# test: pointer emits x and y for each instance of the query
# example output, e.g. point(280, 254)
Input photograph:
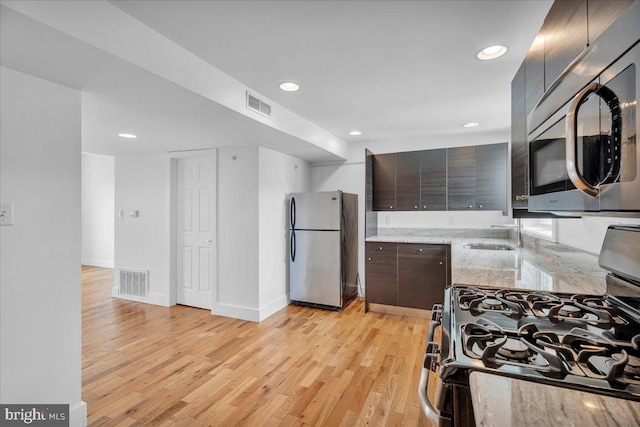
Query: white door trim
point(173, 268)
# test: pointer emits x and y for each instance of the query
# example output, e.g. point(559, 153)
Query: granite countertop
point(501, 401)
point(539, 265)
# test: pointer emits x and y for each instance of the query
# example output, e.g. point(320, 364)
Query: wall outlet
point(120, 213)
point(6, 213)
point(452, 220)
point(387, 220)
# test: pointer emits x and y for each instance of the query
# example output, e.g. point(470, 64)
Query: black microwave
point(585, 157)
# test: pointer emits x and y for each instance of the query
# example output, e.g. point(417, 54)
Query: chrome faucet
point(519, 232)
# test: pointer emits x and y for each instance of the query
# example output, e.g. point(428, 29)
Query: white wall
point(587, 233)
point(98, 198)
point(279, 175)
point(238, 274)
point(142, 183)
point(252, 233)
point(40, 303)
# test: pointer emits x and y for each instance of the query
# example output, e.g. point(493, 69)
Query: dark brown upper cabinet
point(433, 180)
point(384, 182)
point(491, 177)
point(534, 74)
point(519, 146)
point(602, 13)
point(565, 35)
point(461, 177)
point(408, 181)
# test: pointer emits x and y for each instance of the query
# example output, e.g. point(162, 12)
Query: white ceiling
point(392, 69)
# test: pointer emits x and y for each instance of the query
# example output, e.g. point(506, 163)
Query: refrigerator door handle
point(293, 246)
point(293, 212)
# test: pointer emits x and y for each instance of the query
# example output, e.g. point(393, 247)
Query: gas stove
point(584, 342)
point(580, 341)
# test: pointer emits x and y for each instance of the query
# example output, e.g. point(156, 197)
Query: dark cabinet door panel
point(433, 180)
point(408, 181)
point(384, 182)
point(381, 273)
point(422, 275)
point(382, 285)
point(602, 13)
point(565, 36)
point(534, 74)
point(461, 176)
point(491, 177)
point(519, 148)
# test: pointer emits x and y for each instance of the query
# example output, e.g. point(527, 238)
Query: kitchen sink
point(489, 246)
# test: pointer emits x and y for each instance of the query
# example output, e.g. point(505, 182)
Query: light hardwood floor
point(150, 365)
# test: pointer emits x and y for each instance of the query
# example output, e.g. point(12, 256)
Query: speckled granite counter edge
point(503, 402)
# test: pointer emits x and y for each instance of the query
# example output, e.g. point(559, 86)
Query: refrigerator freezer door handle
point(293, 246)
point(293, 212)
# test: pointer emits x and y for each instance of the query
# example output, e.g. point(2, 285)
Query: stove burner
point(587, 342)
point(514, 349)
point(491, 304)
point(570, 311)
point(632, 368)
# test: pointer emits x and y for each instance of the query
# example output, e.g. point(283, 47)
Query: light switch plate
point(6, 213)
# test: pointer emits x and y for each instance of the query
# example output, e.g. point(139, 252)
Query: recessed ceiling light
point(289, 86)
point(355, 133)
point(127, 135)
point(471, 124)
point(491, 52)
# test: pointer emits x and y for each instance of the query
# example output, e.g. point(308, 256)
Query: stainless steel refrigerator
point(323, 249)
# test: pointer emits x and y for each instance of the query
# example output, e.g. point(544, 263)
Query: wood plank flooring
point(181, 366)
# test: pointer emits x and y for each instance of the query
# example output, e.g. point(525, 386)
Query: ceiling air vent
point(258, 106)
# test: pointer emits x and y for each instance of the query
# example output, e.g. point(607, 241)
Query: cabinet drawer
point(434, 251)
point(379, 251)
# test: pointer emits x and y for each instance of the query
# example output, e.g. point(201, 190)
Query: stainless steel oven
point(585, 157)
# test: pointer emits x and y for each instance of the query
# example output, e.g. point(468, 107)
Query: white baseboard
point(78, 415)
point(155, 299)
point(98, 262)
point(273, 307)
point(251, 314)
point(236, 312)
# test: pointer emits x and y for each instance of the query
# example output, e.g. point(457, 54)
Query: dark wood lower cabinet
point(422, 275)
point(407, 274)
point(382, 273)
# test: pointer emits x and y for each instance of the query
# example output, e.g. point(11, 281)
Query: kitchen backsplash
point(446, 232)
point(448, 219)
